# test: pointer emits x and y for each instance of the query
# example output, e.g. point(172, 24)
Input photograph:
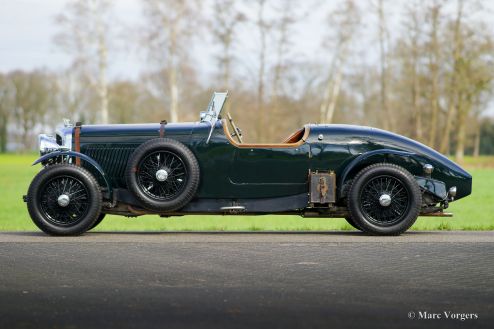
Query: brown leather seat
point(295, 137)
point(294, 140)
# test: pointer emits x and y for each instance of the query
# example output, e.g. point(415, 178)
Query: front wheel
point(99, 220)
point(64, 199)
point(384, 199)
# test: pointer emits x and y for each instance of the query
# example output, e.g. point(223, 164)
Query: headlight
point(47, 144)
point(61, 142)
point(65, 134)
point(452, 192)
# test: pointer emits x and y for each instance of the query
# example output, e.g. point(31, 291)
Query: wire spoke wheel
point(162, 175)
point(384, 200)
point(64, 200)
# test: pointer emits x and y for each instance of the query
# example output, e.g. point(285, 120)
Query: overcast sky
point(27, 28)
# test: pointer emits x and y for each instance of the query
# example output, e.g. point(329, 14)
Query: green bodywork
point(231, 172)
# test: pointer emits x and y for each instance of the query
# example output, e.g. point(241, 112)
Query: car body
point(309, 174)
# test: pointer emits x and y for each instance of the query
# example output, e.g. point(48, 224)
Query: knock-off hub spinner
point(162, 175)
point(385, 200)
point(63, 200)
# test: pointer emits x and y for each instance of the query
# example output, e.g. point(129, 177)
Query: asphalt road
point(261, 280)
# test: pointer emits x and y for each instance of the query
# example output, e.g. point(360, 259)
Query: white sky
point(27, 28)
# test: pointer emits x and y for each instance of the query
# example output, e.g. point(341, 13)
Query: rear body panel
point(361, 140)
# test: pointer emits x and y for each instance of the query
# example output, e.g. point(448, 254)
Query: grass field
point(476, 212)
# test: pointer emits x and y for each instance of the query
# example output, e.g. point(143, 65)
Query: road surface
point(247, 280)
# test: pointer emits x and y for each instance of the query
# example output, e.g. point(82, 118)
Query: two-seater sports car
point(379, 181)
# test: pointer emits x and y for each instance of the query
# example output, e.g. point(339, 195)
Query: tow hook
point(24, 198)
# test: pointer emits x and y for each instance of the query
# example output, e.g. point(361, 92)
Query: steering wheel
point(236, 131)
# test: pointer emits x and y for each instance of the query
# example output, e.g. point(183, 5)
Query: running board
point(437, 214)
point(233, 209)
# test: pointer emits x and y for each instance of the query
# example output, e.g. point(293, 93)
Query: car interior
point(234, 135)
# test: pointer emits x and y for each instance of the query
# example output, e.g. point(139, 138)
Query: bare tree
point(85, 32)
point(480, 104)
point(31, 100)
point(470, 73)
point(453, 98)
point(476, 75)
point(155, 90)
point(287, 17)
point(5, 105)
point(410, 49)
point(345, 22)
point(74, 98)
point(262, 28)
point(436, 68)
point(170, 25)
point(362, 80)
point(124, 105)
point(434, 54)
point(383, 36)
point(226, 19)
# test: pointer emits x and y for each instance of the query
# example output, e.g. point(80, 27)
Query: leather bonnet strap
point(77, 141)
point(162, 128)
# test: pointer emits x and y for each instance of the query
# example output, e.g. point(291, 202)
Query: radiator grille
point(113, 160)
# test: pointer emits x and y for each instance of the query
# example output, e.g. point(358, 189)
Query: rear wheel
point(64, 200)
point(350, 221)
point(384, 199)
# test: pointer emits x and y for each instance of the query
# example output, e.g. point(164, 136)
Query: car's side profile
point(379, 181)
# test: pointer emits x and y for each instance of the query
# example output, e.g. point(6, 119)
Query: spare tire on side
point(163, 174)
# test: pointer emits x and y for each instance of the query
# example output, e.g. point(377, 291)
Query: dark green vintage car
point(379, 181)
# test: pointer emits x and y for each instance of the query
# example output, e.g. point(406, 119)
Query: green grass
point(480, 162)
point(475, 212)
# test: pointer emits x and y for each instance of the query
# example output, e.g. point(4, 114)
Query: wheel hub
point(63, 200)
point(385, 200)
point(162, 175)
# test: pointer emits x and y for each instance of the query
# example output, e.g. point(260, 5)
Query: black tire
point(350, 221)
point(98, 221)
point(82, 209)
point(384, 199)
point(182, 174)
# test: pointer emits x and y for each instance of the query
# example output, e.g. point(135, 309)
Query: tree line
point(427, 75)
